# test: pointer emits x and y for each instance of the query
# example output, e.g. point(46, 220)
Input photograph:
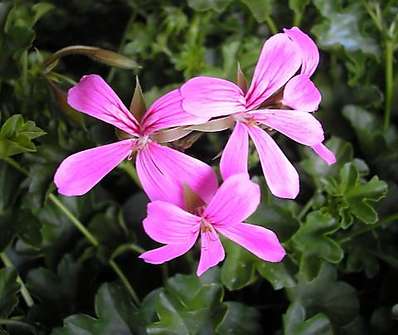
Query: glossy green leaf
point(239, 319)
point(261, 9)
point(324, 294)
point(341, 28)
point(16, 136)
point(189, 305)
point(295, 323)
point(203, 5)
point(238, 269)
point(114, 315)
point(278, 274)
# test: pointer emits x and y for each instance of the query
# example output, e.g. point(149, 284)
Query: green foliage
point(341, 268)
point(16, 136)
point(8, 292)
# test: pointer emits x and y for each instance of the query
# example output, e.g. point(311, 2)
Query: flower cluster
point(185, 197)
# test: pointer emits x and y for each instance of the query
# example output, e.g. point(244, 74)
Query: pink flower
point(278, 98)
point(235, 200)
point(161, 170)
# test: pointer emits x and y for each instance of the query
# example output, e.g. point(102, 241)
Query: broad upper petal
point(93, 96)
point(258, 240)
point(210, 97)
point(300, 126)
point(168, 224)
point(80, 172)
point(308, 50)
point(235, 154)
point(279, 60)
point(325, 153)
point(211, 252)
point(282, 178)
point(166, 252)
point(300, 93)
point(163, 172)
point(236, 199)
point(167, 112)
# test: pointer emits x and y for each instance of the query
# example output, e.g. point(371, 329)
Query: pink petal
point(308, 49)
point(236, 199)
point(167, 112)
point(281, 176)
point(93, 96)
point(300, 126)
point(258, 240)
point(167, 252)
point(80, 172)
point(235, 154)
point(169, 224)
point(326, 154)
point(300, 93)
point(278, 62)
point(211, 252)
point(211, 97)
point(163, 172)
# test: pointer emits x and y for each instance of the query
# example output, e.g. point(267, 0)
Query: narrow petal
point(258, 240)
point(300, 93)
point(236, 199)
point(281, 176)
point(235, 154)
point(278, 62)
point(167, 112)
point(80, 172)
point(211, 97)
point(308, 50)
point(93, 96)
point(323, 152)
point(300, 126)
point(169, 224)
point(166, 253)
point(163, 172)
point(211, 252)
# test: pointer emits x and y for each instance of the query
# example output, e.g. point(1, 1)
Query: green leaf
point(9, 180)
point(324, 294)
point(373, 139)
point(9, 289)
point(189, 305)
point(295, 322)
point(355, 196)
point(203, 5)
point(40, 9)
point(239, 266)
point(239, 319)
point(278, 274)
point(261, 9)
point(341, 28)
point(16, 136)
point(115, 315)
point(298, 6)
point(313, 241)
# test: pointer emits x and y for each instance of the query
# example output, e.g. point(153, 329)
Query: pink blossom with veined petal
point(161, 170)
point(235, 200)
point(281, 97)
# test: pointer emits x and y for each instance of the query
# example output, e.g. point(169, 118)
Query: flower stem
point(93, 240)
point(297, 19)
point(125, 281)
point(20, 324)
point(271, 25)
point(16, 165)
point(90, 237)
point(24, 291)
point(389, 81)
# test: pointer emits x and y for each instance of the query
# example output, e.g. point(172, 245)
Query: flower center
point(205, 226)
